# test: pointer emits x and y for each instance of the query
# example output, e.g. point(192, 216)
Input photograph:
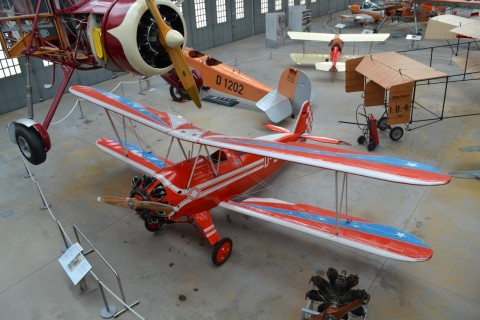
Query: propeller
point(172, 40)
point(136, 204)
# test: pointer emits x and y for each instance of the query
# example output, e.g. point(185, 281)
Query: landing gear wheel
point(396, 133)
point(152, 226)
point(371, 146)
point(31, 144)
point(221, 251)
point(382, 123)
point(361, 140)
point(176, 94)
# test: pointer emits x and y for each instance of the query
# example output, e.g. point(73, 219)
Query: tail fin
point(304, 119)
point(293, 89)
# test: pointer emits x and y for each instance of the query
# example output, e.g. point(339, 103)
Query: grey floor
point(270, 267)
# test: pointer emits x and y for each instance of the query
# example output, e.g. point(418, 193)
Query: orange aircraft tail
point(304, 119)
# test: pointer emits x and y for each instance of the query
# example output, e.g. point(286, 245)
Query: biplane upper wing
point(358, 163)
point(447, 26)
point(326, 37)
point(351, 231)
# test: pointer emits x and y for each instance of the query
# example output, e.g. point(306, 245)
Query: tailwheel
point(221, 251)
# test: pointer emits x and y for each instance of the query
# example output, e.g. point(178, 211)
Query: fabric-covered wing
point(353, 232)
point(161, 121)
point(349, 161)
point(143, 160)
point(311, 36)
point(364, 164)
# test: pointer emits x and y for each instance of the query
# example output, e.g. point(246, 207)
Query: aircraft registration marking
point(229, 84)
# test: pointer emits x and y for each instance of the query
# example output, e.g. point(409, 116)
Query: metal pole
point(336, 203)
point(81, 112)
point(28, 89)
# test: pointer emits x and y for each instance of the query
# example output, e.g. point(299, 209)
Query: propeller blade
point(172, 40)
point(134, 203)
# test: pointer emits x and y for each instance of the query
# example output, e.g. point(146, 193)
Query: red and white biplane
point(218, 169)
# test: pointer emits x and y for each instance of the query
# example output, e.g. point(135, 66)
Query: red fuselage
point(203, 189)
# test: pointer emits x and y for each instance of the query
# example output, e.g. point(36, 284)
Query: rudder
point(304, 119)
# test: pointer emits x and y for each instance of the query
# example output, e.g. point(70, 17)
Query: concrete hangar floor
point(170, 272)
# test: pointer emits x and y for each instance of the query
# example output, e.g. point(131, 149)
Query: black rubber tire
point(382, 123)
point(222, 251)
point(361, 139)
point(371, 146)
point(31, 144)
point(396, 133)
point(153, 227)
point(175, 94)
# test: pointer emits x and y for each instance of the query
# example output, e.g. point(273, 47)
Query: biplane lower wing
point(139, 158)
point(353, 232)
point(348, 161)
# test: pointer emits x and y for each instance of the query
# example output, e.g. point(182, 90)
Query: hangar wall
point(233, 26)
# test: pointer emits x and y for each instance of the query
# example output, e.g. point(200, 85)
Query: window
point(312, 1)
point(200, 14)
point(291, 3)
point(46, 63)
point(264, 6)
point(278, 4)
point(302, 1)
point(221, 11)
point(239, 9)
point(8, 67)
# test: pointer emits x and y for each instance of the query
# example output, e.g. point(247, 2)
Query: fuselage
point(200, 184)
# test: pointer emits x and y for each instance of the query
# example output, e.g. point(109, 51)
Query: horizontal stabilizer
point(324, 139)
point(326, 66)
point(275, 105)
point(353, 232)
point(276, 128)
point(308, 58)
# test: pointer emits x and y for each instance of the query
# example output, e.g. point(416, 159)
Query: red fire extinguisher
point(373, 136)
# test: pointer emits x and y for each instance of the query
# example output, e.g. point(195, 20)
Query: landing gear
point(177, 95)
point(32, 139)
point(30, 144)
point(221, 251)
point(396, 133)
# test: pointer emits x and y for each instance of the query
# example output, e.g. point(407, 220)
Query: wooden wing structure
point(388, 79)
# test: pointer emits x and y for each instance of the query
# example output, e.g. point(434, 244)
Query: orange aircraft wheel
point(221, 251)
point(152, 227)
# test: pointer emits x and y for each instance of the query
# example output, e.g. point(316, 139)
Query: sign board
point(400, 103)
point(414, 37)
point(74, 263)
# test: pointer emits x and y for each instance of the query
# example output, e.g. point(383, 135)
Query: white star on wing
point(400, 234)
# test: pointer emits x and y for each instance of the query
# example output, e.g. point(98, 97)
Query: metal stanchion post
point(81, 111)
point(109, 309)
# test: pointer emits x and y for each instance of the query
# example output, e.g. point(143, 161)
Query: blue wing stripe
point(308, 150)
point(133, 105)
point(365, 227)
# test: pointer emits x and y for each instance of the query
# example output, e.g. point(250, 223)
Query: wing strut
point(338, 207)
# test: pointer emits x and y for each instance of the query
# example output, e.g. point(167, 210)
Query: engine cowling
point(130, 36)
